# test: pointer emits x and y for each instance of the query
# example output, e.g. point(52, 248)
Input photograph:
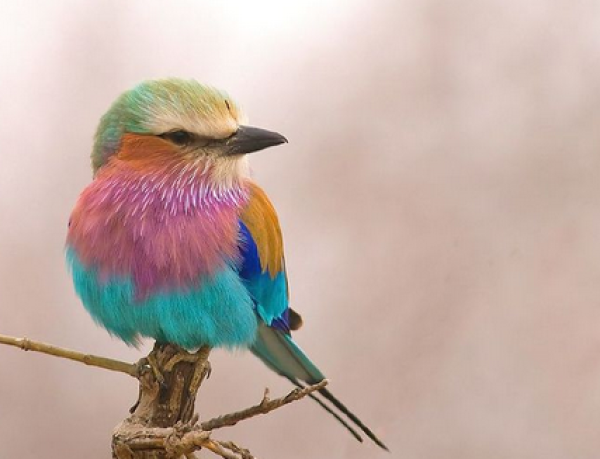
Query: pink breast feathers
point(165, 229)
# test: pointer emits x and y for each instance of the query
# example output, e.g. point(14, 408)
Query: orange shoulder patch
point(260, 218)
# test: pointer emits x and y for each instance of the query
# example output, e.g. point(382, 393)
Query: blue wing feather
point(268, 293)
point(250, 262)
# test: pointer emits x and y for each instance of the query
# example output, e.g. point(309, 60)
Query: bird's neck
point(175, 186)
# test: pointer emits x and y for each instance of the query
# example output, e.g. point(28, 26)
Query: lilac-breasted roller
point(173, 240)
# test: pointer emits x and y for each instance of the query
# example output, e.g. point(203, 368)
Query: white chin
point(228, 171)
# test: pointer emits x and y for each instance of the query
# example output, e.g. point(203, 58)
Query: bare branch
point(263, 407)
point(88, 359)
point(167, 369)
point(185, 438)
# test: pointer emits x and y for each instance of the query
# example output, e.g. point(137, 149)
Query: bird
point(173, 240)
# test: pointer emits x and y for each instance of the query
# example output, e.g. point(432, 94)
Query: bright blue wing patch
point(250, 261)
point(268, 293)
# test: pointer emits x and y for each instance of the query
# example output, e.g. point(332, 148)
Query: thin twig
point(263, 407)
point(219, 450)
point(244, 453)
point(88, 359)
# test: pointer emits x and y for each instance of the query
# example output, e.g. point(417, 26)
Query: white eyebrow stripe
point(217, 126)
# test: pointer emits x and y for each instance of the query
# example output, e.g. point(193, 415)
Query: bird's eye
point(178, 137)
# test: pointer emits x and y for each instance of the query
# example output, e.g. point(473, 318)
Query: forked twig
point(263, 407)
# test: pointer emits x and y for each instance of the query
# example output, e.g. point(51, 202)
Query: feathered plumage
point(172, 240)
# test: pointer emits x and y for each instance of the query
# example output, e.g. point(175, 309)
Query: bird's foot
point(146, 371)
point(183, 356)
point(154, 366)
point(208, 369)
point(201, 368)
point(178, 358)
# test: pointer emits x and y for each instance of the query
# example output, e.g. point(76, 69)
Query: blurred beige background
point(439, 198)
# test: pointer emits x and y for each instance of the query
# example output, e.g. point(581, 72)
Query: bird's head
point(181, 120)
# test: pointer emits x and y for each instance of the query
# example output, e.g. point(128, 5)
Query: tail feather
point(340, 406)
point(284, 356)
point(280, 353)
point(341, 420)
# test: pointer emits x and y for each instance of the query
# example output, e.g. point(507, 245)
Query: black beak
point(249, 139)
